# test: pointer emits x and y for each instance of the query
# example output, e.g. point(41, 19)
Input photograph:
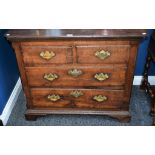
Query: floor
point(139, 108)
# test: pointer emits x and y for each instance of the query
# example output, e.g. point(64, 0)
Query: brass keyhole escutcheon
point(76, 93)
point(75, 72)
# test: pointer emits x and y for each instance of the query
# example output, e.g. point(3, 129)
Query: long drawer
point(74, 75)
point(77, 98)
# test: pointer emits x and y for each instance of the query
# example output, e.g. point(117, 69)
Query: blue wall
point(8, 70)
point(141, 58)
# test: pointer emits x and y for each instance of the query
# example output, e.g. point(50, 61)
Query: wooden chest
point(76, 71)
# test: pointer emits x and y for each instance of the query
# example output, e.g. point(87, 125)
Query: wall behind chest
point(141, 57)
point(8, 70)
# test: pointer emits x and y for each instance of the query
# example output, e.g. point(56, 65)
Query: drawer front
point(85, 76)
point(103, 54)
point(73, 98)
point(36, 55)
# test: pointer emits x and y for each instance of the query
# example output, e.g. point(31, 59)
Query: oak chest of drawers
point(76, 71)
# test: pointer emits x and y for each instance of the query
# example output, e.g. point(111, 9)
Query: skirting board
point(15, 93)
point(11, 102)
point(137, 80)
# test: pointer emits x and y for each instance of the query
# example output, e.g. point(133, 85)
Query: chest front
point(78, 75)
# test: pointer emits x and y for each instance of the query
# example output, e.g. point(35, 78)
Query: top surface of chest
point(17, 35)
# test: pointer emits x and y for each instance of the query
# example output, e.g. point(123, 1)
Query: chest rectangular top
point(38, 34)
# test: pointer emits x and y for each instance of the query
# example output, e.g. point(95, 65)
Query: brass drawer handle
point(47, 55)
point(74, 72)
point(102, 54)
point(50, 76)
point(76, 93)
point(53, 97)
point(101, 76)
point(100, 98)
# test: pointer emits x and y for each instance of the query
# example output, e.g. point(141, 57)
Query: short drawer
point(77, 98)
point(85, 76)
point(42, 55)
point(113, 54)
